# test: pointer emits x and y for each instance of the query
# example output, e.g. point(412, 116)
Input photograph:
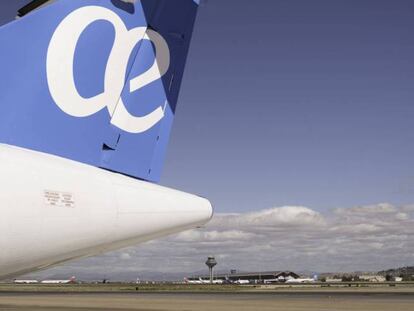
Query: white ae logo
point(60, 76)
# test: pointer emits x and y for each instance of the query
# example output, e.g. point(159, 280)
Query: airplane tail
point(95, 81)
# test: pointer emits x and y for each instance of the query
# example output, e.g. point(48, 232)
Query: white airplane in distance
point(277, 280)
point(202, 281)
point(215, 281)
point(302, 280)
point(89, 90)
point(205, 281)
point(25, 281)
point(242, 282)
point(72, 280)
point(195, 282)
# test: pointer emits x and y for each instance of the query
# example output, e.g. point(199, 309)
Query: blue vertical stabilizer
point(96, 81)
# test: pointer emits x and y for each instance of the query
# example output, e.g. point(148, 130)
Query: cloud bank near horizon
point(367, 238)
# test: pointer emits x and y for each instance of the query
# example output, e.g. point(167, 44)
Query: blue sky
point(297, 116)
point(298, 102)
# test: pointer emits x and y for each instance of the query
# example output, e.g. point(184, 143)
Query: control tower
point(211, 263)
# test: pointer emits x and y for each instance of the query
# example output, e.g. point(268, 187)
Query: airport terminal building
point(252, 277)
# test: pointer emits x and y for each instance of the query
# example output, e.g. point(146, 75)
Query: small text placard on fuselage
point(59, 198)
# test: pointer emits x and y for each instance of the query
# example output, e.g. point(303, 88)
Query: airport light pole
point(211, 262)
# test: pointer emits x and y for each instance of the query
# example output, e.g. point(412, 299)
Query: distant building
point(333, 280)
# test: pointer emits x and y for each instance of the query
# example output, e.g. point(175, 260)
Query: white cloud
point(283, 216)
point(213, 236)
point(297, 238)
point(383, 208)
point(402, 216)
point(124, 256)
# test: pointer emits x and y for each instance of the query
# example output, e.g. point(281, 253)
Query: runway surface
point(207, 302)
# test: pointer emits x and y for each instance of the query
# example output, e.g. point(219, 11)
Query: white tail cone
point(55, 210)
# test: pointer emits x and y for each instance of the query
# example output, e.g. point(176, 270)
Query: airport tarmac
point(283, 301)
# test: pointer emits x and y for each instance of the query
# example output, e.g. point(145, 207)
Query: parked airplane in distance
point(242, 282)
point(195, 282)
point(202, 281)
point(302, 280)
point(215, 281)
point(280, 279)
point(89, 93)
point(218, 281)
point(25, 281)
point(72, 280)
